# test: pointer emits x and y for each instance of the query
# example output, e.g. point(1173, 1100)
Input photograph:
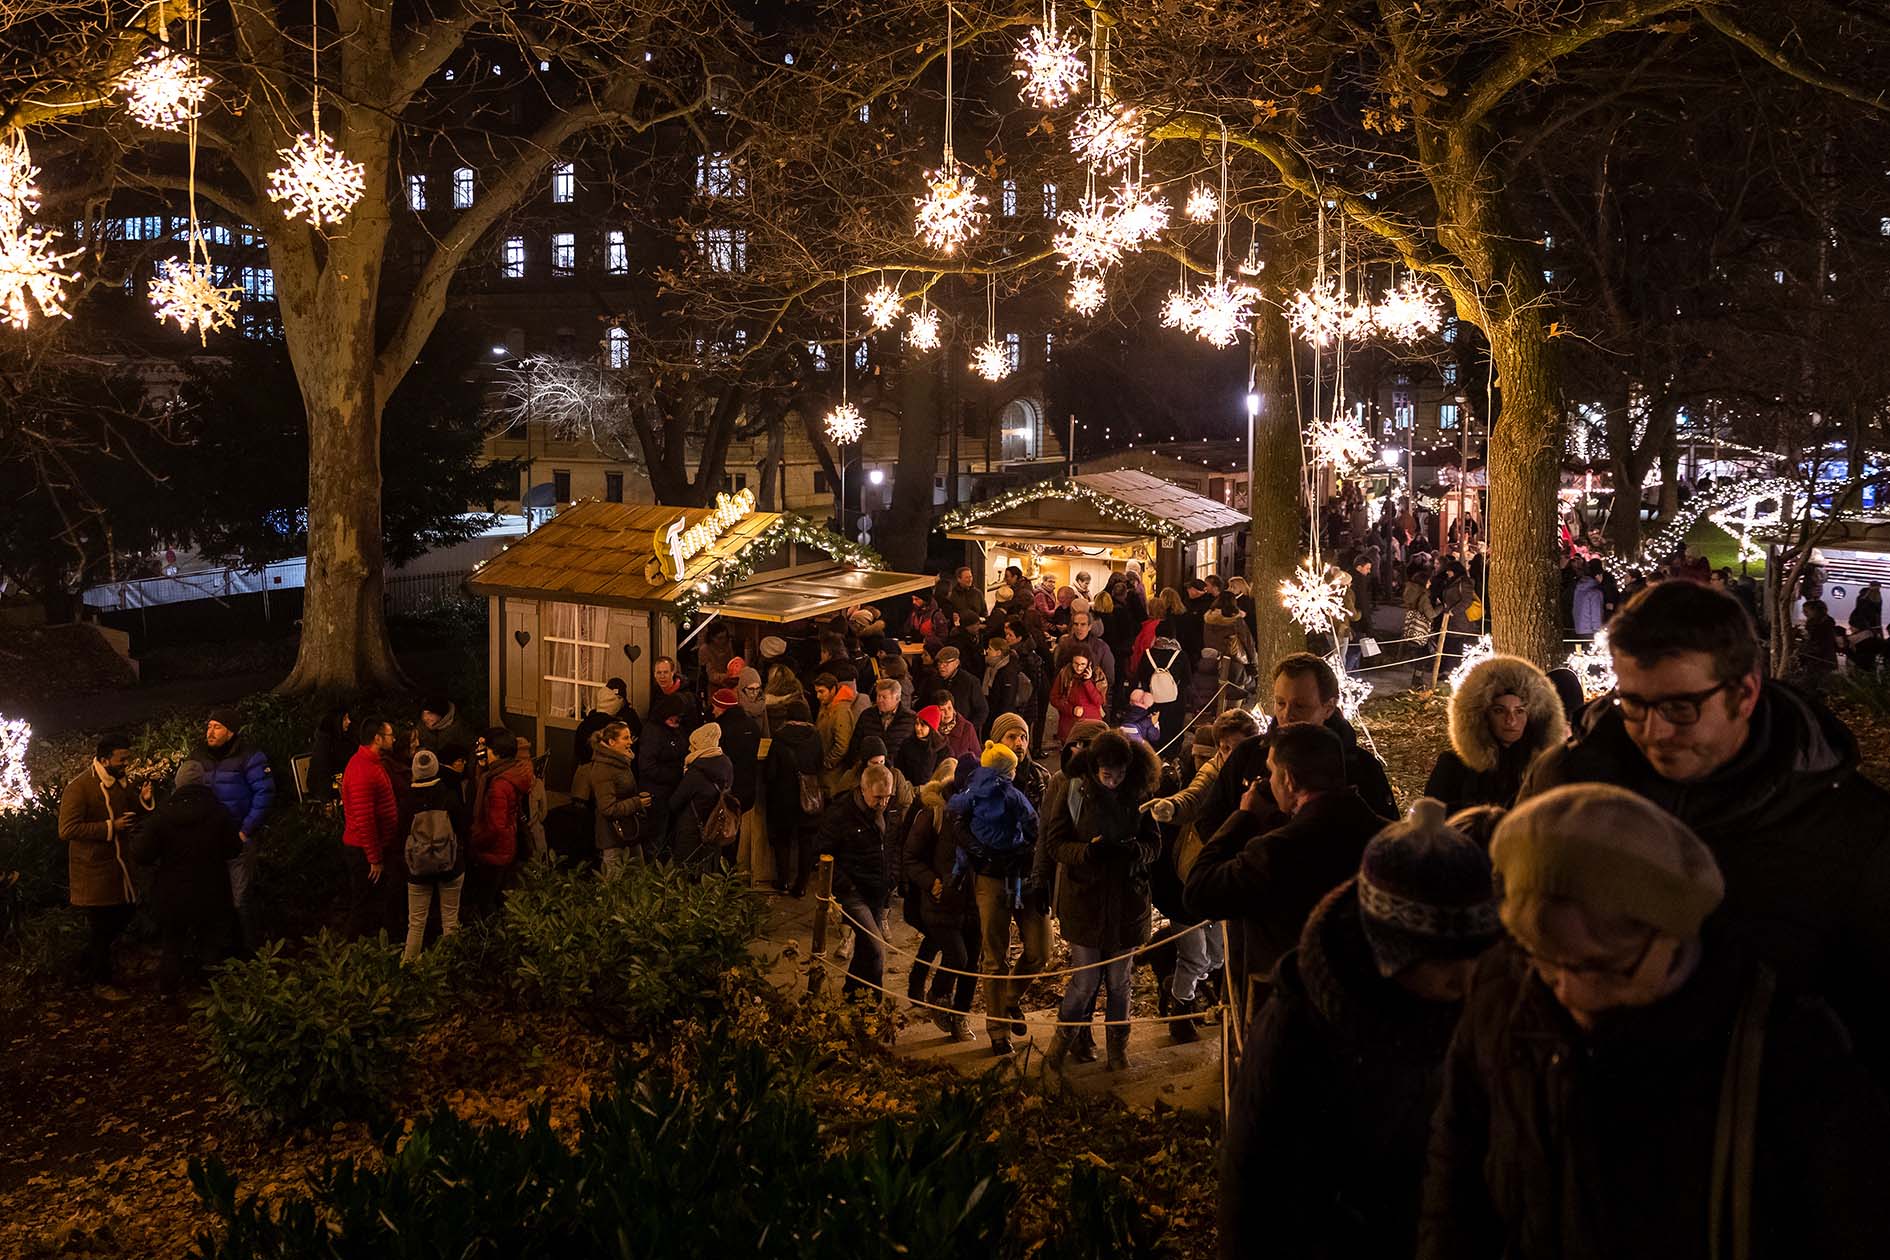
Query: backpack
point(723, 826)
point(1161, 683)
point(813, 798)
point(432, 845)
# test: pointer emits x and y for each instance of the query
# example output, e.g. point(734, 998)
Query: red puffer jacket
point(495, 821)
point(367, 805)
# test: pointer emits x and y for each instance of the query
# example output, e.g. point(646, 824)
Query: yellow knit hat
point(999, 757)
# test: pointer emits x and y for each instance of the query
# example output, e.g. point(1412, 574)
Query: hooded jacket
point(503, 796)
point(239, 775)
point(614, 794)
point(1103, 898)
point(1331, 1113)
point(1475, 769)
point(1802, 839)
point(454, 730)
point(999, 823)
point(695, 798)
point(931, 855)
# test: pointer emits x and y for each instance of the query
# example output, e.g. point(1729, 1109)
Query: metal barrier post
point(823, 901)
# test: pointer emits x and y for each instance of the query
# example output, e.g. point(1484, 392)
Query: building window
point(1450, 373)
point(566, 341)
point(733, 482)
point(1883, 227)
point(716, 176)
point(860, 357)
point(866, 113)
point(616, 348)
point(1049, 345)
point(1049, 201)
point(463, 188)
point(561, 484)
point(613, 487)
point(725, 249)
point(1402, 412)
point(817, 355)
point(1450, 328)
point(513, 266)
point(1007, 198)
point(216, 234)
point(563, 182)
point(563, 253)
point(616, 254)
point(1207, 556)
point(416, 192)
point(577, 654)
point(823, 484)
point(1447, 415)
point(1014, 350)
point(1778, 277)
point(259, 284)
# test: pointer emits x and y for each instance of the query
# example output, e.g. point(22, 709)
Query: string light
point(1203, 204)
point(1320, 315)
point(754, 552)
point(1593, 664)
point(185, 294)
point(1111, 509)
point(1476, 652)
point(923, 331)
point(1409, 310)
point(1106, 136)
point(1313, 599)
point(1087, 293)
point(163, 89)
point(31, 267)
point(991, 361)
point(1050, 64)
point(1178, 309)
point(1340, 442)
point(16, 788)
point(845, 424)
point(952, 210)
point(1221, 310)
point(882, 307)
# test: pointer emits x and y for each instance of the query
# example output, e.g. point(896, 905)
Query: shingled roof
point(1107, 506)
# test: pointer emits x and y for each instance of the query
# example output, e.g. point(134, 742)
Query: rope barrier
point(1190, 724)
point(1034, 975)
point(951, 1010)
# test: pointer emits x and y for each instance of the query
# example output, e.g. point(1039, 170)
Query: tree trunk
point(1274, 501)
point(1525, 471)
point(906, 536)
point(1669, 477)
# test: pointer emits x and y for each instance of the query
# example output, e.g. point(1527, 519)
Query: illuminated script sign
point(677, 543)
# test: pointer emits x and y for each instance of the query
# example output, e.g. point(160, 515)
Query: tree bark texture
point(906, 536)
point(1274, 500)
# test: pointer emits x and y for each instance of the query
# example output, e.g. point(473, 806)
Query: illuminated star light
point(1051, 65)
point(1341, 443)
point(991, 361)
point(923, 331)
point(882, 307)
point(1471, 656)
point(1089, 238)
point(1087, 293)
point(318, 182)
point(185, 294)
point(952, 211)
point(31, 274)
point(1139, 215)
point(1315, 600)
point(1593, 664)
point(1320, 315)
point(845, 424)
point(1105, 136)
point(163, 89)
point(1353, 692)
point(1221, 310)
point(16, 788)
point(1203, 204)
point(1409, 311)
point(1178, 310)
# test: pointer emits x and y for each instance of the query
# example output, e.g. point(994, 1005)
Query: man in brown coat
point(96, 814)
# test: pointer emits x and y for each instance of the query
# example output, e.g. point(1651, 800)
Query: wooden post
point(823, 901)
point(1437, 662)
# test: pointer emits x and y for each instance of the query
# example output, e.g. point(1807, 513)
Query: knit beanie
point(1424, 893)
point(773, 648)
point(725, 698)
point(1082, 732)
point(872, 746)
point(1611, 852)
point(931, 715)
point(426, 768)
point(230, 718)
point(999, 758)
point(704, 741)
point(1004, 723)
point(189, 774)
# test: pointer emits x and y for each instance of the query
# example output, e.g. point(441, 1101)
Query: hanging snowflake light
point(923, 331)
point(1593, 664)
point(1051, 64)
point(1203, 204)
point(845, 424)
point(1221, 310)
point(185, 294)
point(952, 210)
point(1179, 310)
point(318, 182)
point(1318, 315)
point(1471, 655)
point(163, 89)
point(31, 275)
point(1340, 443)
point(16, 788)
point(991, 361)
point(1087, 293)
point(1353, 692)
point(1409, 311)
point(882, 306)
point(1089, 238)
point(1137, 214)
point(1315, 600)
point(1105, 136)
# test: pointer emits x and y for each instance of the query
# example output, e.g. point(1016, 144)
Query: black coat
point(794, 750)
point(931, 853)
point(1459, 787)
point(1001, 695)
point(892, 730)
point(865, 859)
point(917, 758)
point(1551, 1144)
point(1248, 762)
point(1802, 839)
point(691, 804)
point(1104, 845)
point(1265, 883)
point(1331, 1114)
point(967, 690)
point(188, 839)
point(741, 741)
point(660, 760)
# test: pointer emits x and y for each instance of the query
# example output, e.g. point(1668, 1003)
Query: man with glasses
point(1768, 779)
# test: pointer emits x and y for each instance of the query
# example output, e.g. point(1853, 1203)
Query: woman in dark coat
point(1331, 1112)
point(947, 910)
point(1505, 713)
point(793, 760)
point(1095, 829)
point(333, 746)
point(189, 839)
point(659, 763)
point(618, 806)
point(707, 773)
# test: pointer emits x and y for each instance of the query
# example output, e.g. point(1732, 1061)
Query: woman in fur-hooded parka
point(1479, 768)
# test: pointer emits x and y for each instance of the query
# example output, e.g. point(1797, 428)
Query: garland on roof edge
point(1063, 488)
point(745, 563)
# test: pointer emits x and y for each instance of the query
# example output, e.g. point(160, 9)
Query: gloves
point(1162, 810)
point(1037, 898)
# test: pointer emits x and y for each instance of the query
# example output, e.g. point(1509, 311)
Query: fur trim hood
point(1470, 736)
point(1144, 779)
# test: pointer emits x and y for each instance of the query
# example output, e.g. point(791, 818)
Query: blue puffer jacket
point(239, 776)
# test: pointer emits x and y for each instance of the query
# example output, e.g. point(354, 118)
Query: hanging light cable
point(951, 212)
point(844, 423)
point(187, 293)
point(316, 179)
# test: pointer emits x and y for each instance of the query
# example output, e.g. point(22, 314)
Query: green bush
point(30, 845)
point(40, 948)
point(299, 869)
point(652, 946)
point(730, 1160)
point(1865, 689)
point(317, 1035)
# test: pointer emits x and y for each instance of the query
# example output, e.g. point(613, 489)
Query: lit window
point(1450, 328)
point(1548, 277)
point(1883, 227)
point(716, 177)
point(1049, 344)
point(218, 234)
point(153, 227)
point(616, 348)
point(451, 75)
point(416, 192)
point(259, 283)
point(564, 182)
point(1447, 415)
point(860, 357)
point(563, 253)
point(616, 254)
point(866, 113)
point(1450, 373)
point(513, 267)
point(1007, 198)
point(576, 645)
point(1778, 277)
point(726, 249)
point(818, 354)
point(1014, 350)
point(544, 65)
point(1548, 240)
point(463, 188)
point(1049, 201)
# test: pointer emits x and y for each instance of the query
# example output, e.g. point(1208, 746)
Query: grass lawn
point(1719, 547)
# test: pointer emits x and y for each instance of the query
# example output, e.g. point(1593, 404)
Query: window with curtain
point(575, 651)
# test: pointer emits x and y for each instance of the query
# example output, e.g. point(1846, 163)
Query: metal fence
point(424, 592)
